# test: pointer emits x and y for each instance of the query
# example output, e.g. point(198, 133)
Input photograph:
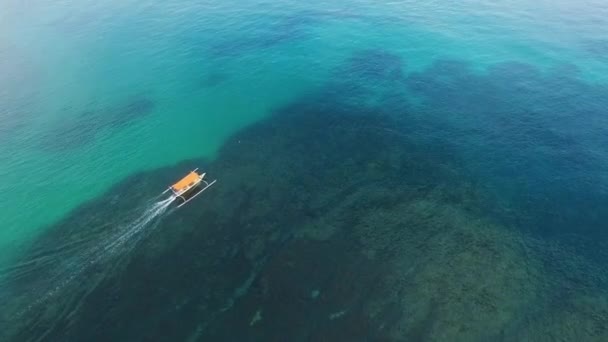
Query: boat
point(187, 188)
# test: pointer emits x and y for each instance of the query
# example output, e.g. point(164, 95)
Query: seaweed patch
point(212, 79)
point(82, 130)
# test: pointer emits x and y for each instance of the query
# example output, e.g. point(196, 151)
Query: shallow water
point(374, 161)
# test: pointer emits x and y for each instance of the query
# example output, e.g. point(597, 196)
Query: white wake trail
point(123, 240)
point(137, 226)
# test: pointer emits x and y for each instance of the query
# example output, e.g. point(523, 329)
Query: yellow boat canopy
point(186, 182)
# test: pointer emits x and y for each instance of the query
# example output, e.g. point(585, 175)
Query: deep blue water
point(387, 171)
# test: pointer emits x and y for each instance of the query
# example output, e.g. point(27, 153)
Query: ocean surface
point(386, 170)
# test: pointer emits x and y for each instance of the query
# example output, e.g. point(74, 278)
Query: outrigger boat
point(189, 187)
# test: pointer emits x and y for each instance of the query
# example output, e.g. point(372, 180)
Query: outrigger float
point(189, 187)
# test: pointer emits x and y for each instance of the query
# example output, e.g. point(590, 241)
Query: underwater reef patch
point(244, 229)
point(530, 133)
point(371, 80)
point(376, 64)
point(333, 221)
point(286, 29)
point(290, 28)
point(74, 132)
point(212, 79)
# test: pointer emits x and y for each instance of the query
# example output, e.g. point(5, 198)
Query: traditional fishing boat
point(190, 186)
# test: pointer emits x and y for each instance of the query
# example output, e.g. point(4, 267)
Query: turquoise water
point(511, 94)
point(93, 61)
point(66, 59)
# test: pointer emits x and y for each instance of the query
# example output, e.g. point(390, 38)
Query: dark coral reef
point(335, 221)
